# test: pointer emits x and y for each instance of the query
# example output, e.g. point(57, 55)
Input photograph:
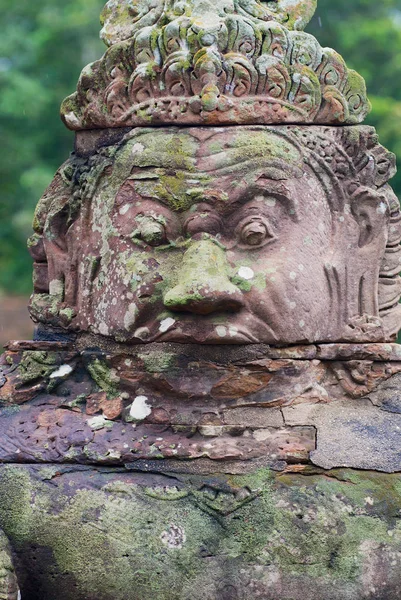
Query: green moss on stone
point(36, 365)
point(158, 361)
point(106, 378)
point(154, 537)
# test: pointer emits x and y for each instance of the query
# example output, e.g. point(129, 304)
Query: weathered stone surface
point(159, 404)
point(216, 309)
point(352, 434)
point(8, 580)
point(96, 534)
point(213, 63)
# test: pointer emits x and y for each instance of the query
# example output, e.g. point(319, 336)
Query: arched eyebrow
point(264, 186)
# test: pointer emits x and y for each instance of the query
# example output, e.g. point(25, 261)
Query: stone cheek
point(234, 236)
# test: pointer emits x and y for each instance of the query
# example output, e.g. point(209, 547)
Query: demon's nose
point(203, 285)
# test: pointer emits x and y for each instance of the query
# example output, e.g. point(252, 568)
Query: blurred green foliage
point(43, 47)
point(45, 44)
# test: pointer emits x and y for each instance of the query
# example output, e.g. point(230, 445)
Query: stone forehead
point(350, 154)
point(228, 160)
point(214, 149)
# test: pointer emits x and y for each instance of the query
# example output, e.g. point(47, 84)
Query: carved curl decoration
point(238, 62)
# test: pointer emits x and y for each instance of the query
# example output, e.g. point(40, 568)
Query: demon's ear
point(372, 213)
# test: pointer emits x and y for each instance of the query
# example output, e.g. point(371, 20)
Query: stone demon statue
point(210, 408)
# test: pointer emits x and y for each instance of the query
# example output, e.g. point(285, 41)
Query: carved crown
point(210, 62)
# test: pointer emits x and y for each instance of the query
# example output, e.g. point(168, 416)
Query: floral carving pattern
point(236, 63)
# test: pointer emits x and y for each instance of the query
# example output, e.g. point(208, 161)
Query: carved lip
point(200, 337)
point(205, 332)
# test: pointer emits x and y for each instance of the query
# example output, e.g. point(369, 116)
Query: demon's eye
point(151, 230)
point(254, 231)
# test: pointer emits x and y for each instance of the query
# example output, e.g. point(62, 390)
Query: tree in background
point(42, 50)
point(43, 47)
point(367, 33)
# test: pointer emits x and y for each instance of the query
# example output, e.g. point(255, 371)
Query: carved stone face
point(220, 236)
point(213, 253)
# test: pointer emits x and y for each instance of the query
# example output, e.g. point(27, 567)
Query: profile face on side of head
point(234, 235)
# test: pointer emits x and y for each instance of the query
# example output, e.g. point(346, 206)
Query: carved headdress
point(213, 62)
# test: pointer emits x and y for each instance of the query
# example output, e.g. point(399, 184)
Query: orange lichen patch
point(111, 408)
point(238, 385)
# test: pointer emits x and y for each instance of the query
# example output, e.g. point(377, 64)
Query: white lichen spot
point(72, 120)
point(140, 408)
point(124, 209)
point(261, 435)
point(56, 288)
point(301, 267)
point(211, 430)
point(221, 331)
point(113, 453)
point(382, 208)
point(97, 422)
point(128, 362)
point(341, 219)
point(369, 501)
point(166, 324)
point(270, 202)
point(174, 537)
point(103, 328)
point(142, 333)
point(138, 148)
point(293, 275)
point(246, 273)
point(293, 305)
point(302, 324)
point(232, 330)
point(62, 371)
point(130, 316)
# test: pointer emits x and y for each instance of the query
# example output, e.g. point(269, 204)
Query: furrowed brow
point(278, 190)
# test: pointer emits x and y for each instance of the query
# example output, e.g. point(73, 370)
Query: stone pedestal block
point(85, 533)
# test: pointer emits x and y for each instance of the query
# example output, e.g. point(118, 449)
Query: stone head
point(211, 199)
